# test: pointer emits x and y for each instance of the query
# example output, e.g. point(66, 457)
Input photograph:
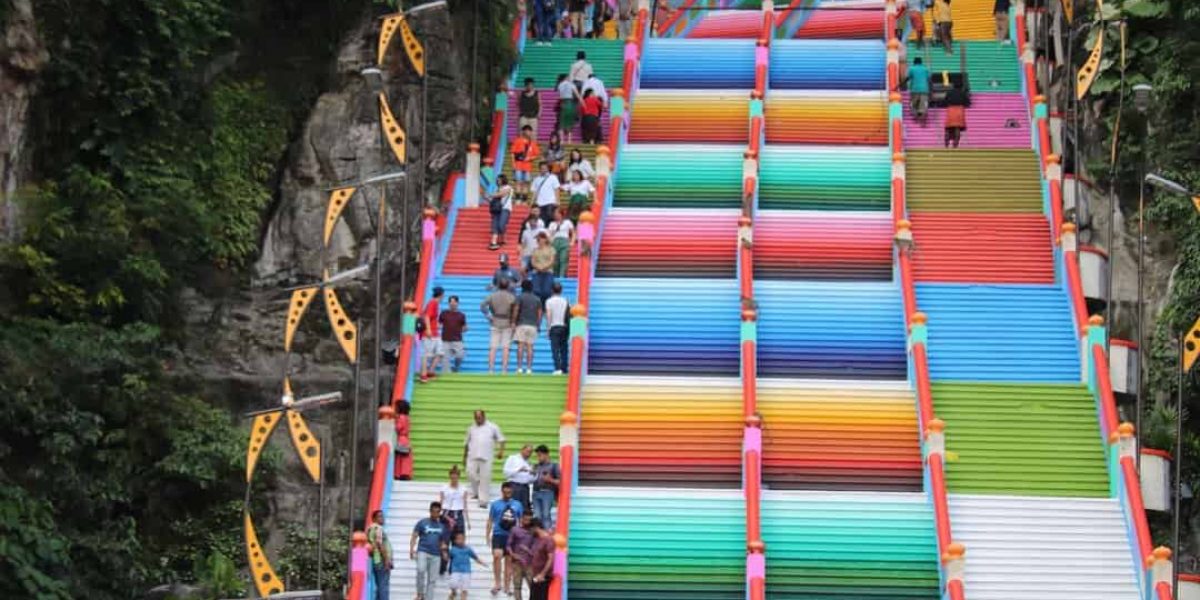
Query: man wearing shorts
point(500, 308)
point(528, 318)
point(525, 150)
point(918, 90)
point(454, 324)
point(503, 516)
point(431, 341)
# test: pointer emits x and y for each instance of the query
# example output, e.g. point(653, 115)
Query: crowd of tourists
point(518, 530)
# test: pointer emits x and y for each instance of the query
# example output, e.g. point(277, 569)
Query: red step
point(469, 254)
point(982, 248)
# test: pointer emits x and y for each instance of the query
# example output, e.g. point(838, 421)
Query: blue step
point(665, 326)
point(1014, 333)
point(698, 64)
point(827, 64)
point(471, 290)
point(830, 330)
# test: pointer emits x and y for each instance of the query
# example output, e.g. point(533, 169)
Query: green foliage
point(298, 559)
point(115, 464)
point(115, 246)
point(219, 577)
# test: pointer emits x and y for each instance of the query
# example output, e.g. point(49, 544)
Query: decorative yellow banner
point(1191, 342)
point(1091, 68)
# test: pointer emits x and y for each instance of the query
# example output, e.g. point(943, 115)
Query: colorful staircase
point(1031, 495)
point(660, 409)
point(667, 504)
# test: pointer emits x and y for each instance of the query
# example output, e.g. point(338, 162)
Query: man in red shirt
point(454, 324)
point(431, 339)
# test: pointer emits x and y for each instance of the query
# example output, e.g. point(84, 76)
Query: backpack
point(508, 518)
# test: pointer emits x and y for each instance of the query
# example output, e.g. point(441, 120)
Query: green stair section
point(679, 176)
point(545, 63)
point(825, 178)
point(654, 544)
point(991, 67)
point(525, 407)
point(971, 180)
point(1021, 439)
point(848, 545)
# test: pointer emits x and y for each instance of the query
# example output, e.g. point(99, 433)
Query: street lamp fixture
point(1141, 97)
point(374, 78)
point(425, 7)
point(336, 280)
point(1161, 182)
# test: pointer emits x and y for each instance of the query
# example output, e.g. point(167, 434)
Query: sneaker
point(558, 372)
point(424, 379)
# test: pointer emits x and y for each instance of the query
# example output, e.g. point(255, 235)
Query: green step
point(992, 67)
point(545, 63)
point(525, 407)
point(825, 178)
point(679, 176)
point(634, 544)
point(973, 180)
point(849, 545)
point(1021, 439)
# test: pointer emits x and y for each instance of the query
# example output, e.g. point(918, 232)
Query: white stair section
point(410, 503)
point(1034, 548)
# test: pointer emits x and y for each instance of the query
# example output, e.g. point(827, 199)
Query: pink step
point(993, 121)
point(546, 125)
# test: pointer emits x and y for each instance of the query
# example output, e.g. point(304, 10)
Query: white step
point(1035, 548)
point(409, 503)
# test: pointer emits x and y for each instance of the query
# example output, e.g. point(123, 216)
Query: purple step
point(993, 121)
point(549, 114)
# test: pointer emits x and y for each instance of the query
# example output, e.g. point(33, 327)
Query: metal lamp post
point(1141, 101)
point(1188, 349)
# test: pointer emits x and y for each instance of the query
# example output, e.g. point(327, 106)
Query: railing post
point(749, 181)
point(893, 64)
point(603, 173)
point(473, 174)
point(408, 332)
point(756, 122)
point(360, 575)
point(1161, 572)
point(749, 339)
point(1094, 338)
point(899, 177)
point(568, 444)
point(578, 336)
point(752, 486)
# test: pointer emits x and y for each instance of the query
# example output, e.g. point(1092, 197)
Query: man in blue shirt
point(503, 516)
point(918, 90)
point(428, 546)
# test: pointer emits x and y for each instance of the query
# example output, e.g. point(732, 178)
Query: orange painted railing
point(1133, 491)
point(1108, 403)
point(673, 17)
point(932, 429)
point(1117, 435)
point(588, 233)
point(1075, 288)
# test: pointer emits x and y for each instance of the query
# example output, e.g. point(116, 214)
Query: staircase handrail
point(931, 429)
point(1152, 565)
point(590, 233)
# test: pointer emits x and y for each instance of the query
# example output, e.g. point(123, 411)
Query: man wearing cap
point(505, 272)
point(431, 339)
